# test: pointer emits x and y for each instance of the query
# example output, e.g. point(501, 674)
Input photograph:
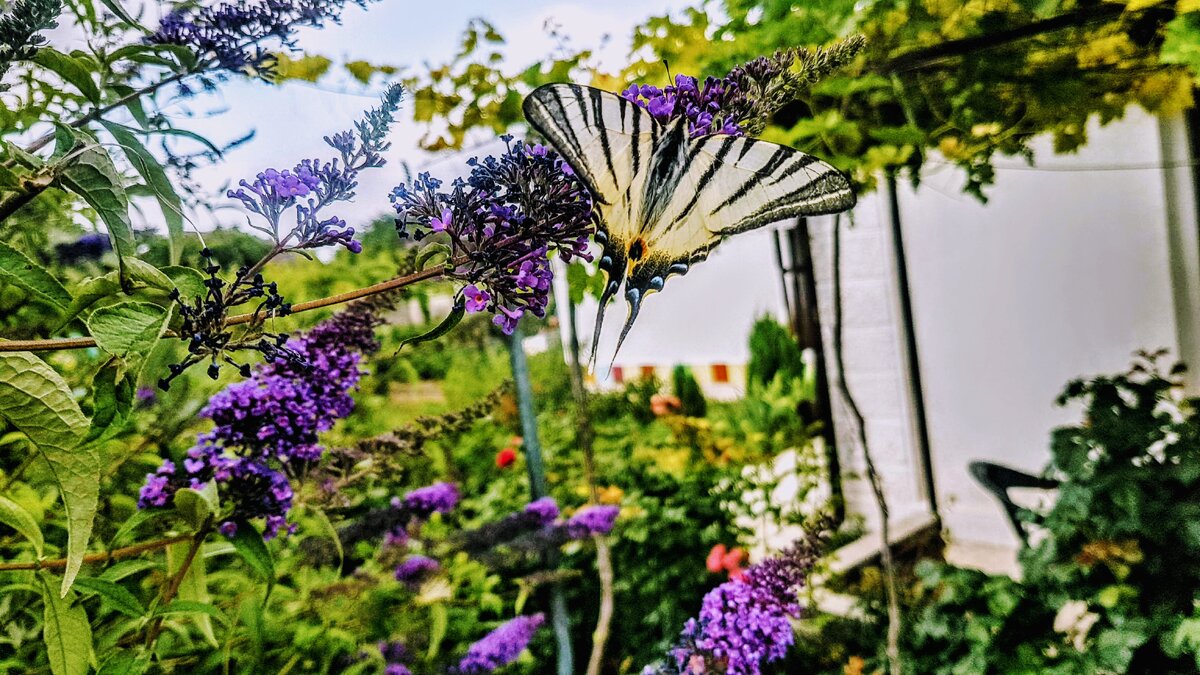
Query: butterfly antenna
point(667, 65)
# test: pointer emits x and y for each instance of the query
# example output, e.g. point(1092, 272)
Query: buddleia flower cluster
point(234, 33)
point(746, 622)
point(267, 427)
point(501, 224)
point(313, 184)
point(708, 107)
point(742, 101)
point(308, 188)
point(500, 647)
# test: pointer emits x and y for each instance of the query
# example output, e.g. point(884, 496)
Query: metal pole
point(537, 487)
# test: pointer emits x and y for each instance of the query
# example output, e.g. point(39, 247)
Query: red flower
point(716, 559)
point(506, 457)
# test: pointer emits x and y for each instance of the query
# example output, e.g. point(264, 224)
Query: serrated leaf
point(18, 518)
point(65, 632)
point(148, 167)
point(142, 272)
point(189, 282)
point(74, 71)
point(37, 401)
point(93, 176)
point(250, 545)
point(193, 595)
point(114, 595)
point(128, 330)
point(17, 269)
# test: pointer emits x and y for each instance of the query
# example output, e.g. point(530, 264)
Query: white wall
point(1064, 273)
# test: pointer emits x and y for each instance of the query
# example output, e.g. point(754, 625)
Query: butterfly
point(665, 200)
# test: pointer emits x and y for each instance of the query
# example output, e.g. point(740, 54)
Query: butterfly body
point(666, 200)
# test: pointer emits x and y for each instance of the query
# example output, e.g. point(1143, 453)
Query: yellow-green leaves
point(18, 518)
point(128, 330)
point(17, 269)
point(66, 632)
point(36, 400)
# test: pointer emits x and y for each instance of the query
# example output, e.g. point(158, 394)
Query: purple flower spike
point(436, 498)
point(415, 569)
point(501, 646)
point(546, 510)
point(442, 222)
point(592, 520)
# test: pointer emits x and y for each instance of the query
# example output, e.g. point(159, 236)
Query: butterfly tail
point(606, 297)
point(613, 263)
point(634, 298)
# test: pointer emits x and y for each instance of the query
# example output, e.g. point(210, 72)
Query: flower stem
point(105, 556)
point(177, 580)
point(382, 287)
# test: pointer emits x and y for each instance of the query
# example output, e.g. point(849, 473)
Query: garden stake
point(537, 489)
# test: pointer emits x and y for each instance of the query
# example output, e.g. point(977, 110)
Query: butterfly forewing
point(666, 200)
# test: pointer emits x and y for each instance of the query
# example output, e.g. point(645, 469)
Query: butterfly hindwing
point(666, 200)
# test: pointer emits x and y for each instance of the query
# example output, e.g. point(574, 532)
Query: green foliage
point(773, 351)
point(1109, 585)
point(687, 390)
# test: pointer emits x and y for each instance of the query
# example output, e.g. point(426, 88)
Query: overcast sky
point(290, 120)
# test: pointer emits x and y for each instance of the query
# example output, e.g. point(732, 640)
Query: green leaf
point(66, 632)
point(18, 518)
point(113, 390)
point(197, 507)
point(113, 594)
point(89, 293)
point(94, 177)
point(125, 663)
point(437, 631)
point(115, 7)
point(134, 103)
point(128, 330)
point(193, 595)
point(17, 269)
point(452, 319)
point(127, 568)
point(250, 545)
point(143, 272)
point(431, 251)
point(189, 282)
point(74, 71)
point(37, 401)
point(155, 176)
point(204, 609)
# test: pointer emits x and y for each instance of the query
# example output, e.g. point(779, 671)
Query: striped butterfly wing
point(665, 199)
